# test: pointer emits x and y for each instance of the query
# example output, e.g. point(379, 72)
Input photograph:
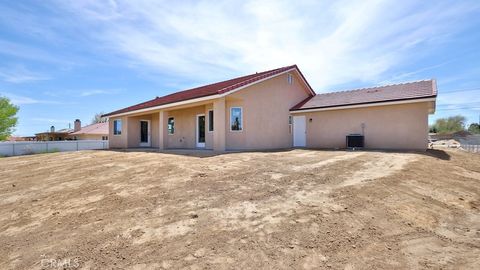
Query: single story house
point(53, 135)
point(277, 109)
point(96, 131)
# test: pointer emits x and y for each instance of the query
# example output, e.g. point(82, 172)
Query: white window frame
point(121, 128)
point(290, 123)
point(289, 78)
point(197, 143)
point(230, 119)
point(208, 127)
point(168, 131)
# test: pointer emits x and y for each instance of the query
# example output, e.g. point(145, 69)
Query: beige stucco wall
point(89, 136)
point(185, 128)
point(208, 134)
point(130, 136)
point(265, 119)
point(134, 129)
point(265, 122)
point(266, 108)
point(402, 126)
point(154, 129)
point(117, 141)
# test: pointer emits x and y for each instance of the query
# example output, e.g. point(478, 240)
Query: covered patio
point(189, 126)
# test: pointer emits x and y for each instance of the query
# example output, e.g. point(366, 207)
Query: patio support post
point(125, 131)
point(161, 129)
point(219, 127)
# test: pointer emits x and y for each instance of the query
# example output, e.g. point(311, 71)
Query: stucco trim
point(363, 105)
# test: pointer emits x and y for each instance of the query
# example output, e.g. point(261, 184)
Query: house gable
point(266, 113)
point(211, 91)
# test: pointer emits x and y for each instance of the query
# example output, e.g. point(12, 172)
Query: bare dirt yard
point(300, 209)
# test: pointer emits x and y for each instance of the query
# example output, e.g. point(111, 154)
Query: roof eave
point(367, 104)
point(209, 97)
point(164, 106)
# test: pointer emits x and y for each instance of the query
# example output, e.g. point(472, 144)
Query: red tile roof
point(98, 128)
point(395, 92)
point(207, 90)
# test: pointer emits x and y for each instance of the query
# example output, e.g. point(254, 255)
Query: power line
point(458, 90)
point(459, 108)
point(463, 103)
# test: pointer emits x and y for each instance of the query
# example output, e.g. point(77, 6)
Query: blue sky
point(62, 60)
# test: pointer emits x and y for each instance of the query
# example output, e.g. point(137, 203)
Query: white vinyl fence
point(470, 143)
point(472, 148)
point(29, 147)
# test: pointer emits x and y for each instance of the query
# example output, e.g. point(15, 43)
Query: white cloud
point(458, 99)
point(333, 43)
point(20, 74)
point(24, 100)
point(81, 92)
point(51, 120)
point(22, 51)
point(401, 78)
point(92, 92)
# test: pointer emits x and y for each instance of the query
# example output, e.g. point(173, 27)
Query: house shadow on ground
point(201, 153)
point(440, 154)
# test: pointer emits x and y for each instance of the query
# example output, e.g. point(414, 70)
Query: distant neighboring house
point(277, 109)
point(53, 135)
point(21, 138)
point(98, 131)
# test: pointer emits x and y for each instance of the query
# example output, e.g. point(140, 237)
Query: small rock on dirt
point(199, 253)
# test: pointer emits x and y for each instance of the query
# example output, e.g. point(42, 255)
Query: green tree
point(8, 119)
point(474, 128)
point(98, 118)
point(451, 124)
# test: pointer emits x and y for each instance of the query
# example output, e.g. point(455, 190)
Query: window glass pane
point(210, 120)
point(171, 125)
point(117, 127)
point(236, 119)
point(143, 131)
point(201, 129)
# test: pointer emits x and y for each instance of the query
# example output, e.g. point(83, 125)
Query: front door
point(200, 130)
point(299, 131)
point(145, 133)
